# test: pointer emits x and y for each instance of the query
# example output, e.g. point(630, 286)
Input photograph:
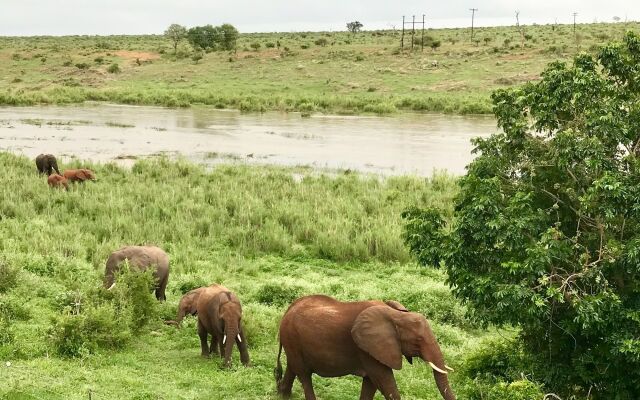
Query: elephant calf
point(140, 258)
point(46, 164)
point(220, 315)
point(79, 175)
point(57, 181)
point(367, 338)
point(187, 306)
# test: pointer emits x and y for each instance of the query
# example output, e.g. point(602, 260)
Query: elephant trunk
point(433, 356)
point(230, 334)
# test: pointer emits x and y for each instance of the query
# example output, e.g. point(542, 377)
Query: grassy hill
point(333, 72)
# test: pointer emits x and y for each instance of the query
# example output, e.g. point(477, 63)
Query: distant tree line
point(204, 38)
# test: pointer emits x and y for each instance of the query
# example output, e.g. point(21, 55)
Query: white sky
point(66, 17)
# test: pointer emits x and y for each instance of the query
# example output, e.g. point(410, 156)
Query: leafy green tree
point(203, 37)
point(175, 33)
point(354, 27)
point(229, 37)
point(545, 232)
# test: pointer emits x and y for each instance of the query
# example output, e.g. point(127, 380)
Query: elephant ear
point(396, 305)
point(375, 332)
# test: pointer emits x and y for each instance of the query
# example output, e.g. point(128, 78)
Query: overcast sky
point(65, 17)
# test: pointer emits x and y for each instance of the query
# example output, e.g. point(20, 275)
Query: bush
point(99, 60)
point(274, 294)
point(8, 276)
point(269, 45)
point(546, 234)
point(321, 42)
point(255, 46)
point(6, 333)
point(113, 69)
point(82, 65)
point(104, 319)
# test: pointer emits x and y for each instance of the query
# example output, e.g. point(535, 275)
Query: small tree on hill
point(545, 232)
point(354, 27)
point(229, 37)
point(175, 33)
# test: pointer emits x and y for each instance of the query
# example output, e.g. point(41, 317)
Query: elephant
point(57, 181)
point(140, 258)
point(220, 315)
point(331, 338)
point(79, 175)
point(46, 164)
point(187, 306)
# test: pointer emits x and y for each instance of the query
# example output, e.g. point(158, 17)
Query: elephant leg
point(213, 349)
point(382, 378)
point(286, 384)
point(160, 290)
point(307, 386)
point(242, 346)
point(368, 389)
point(204, 346)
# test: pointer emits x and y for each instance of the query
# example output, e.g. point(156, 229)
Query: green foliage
point(82, 65)
point(321, 42)
point(546, 230)
point(354, 27)
point(8, 276)
point(209, 38)
point(255, 46)
point(113, 69)
point(277, 294)
point(100, 319)
point(175, 33)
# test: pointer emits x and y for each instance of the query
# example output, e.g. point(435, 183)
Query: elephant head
point(388, 334)
point(86, 175)
point(230, 315)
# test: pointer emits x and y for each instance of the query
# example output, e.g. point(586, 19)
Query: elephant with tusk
point(220, 315)
point(46, 164)
point(140, 258)
point(367, 338)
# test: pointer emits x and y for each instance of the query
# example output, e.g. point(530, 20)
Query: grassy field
point(269, 234)
point(362, 73)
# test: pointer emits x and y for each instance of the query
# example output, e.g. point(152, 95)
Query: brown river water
point(401, 144)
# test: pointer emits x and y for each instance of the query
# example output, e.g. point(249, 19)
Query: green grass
point(363, 73)
point(269, 234)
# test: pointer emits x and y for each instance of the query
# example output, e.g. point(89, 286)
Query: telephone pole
point(473, 14)
point(575, 14)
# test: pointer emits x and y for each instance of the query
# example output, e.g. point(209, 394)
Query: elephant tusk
point(112, 286)
point(449, 368)
point(436, 368)
point(239, 339)
point(224, 339)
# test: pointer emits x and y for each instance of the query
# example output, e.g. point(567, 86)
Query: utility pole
point(473, 14)
point(575, 14)
point(402, 37)
point(413, 31)
point(422, 39)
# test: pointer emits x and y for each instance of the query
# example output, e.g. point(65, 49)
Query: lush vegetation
point(546, 231)
point(270, 234)
point(310, 72)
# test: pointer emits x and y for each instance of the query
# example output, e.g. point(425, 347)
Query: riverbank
point(319, 72)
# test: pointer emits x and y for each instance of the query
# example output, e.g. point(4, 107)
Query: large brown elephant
point(220, 315)
point(57, 181)
point(187, 306)
point(46, 164)
point(367, 338)
point(140, 258)
point(79, 175)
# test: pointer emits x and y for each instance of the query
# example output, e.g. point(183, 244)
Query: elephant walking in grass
point(368, 339)
point(220, 315)
point(46, 164)
point(79, 175)
point(140, 258)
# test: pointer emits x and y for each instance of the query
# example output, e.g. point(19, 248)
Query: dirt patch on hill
point(140, 55)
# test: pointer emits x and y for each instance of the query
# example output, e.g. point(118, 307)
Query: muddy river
point(402, 144)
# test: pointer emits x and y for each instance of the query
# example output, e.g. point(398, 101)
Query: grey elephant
point(140, 258)
point(187, 306)
point(46, 164)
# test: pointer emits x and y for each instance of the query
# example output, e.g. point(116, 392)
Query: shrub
point(82, 65)
point(546, 235)
point(8, 276)
point(304, 46)
point(255, 46)
point(274, 294)
point(99, 60)
point(113, 69)
point(321, 42)
point(269, 45)
point(6, 333)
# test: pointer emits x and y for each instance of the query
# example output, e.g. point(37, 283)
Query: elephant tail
point(277, 372)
